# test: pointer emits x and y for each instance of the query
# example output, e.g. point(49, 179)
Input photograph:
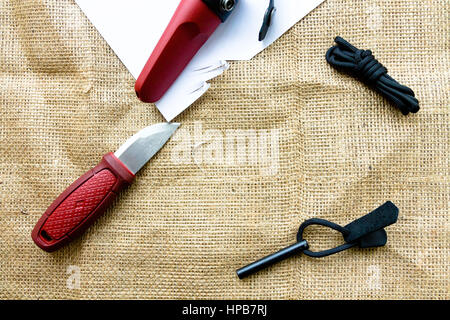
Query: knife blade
point(85, 200)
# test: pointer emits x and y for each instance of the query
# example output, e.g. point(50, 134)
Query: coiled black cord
point(364, 66)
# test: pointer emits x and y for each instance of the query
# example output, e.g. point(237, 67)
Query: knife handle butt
point(81, 204)
point(190, 27)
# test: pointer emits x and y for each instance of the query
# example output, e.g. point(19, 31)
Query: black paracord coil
point(362, 64)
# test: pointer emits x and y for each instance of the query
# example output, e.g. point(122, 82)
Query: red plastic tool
point(87, 198)
point(192, 24)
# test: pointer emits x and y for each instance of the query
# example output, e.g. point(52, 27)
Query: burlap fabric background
point(183, 228)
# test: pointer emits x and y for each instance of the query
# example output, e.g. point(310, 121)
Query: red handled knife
point(191, 25)
point(88, 197)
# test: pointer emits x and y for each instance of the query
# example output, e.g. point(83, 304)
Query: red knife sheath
point(192, 24)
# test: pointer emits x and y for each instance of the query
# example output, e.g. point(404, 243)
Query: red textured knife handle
point(81, 204)
point(190, 27)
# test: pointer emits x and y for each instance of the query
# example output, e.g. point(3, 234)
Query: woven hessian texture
point(187, 223)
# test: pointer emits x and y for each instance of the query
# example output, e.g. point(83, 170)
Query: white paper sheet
point(133, 27)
